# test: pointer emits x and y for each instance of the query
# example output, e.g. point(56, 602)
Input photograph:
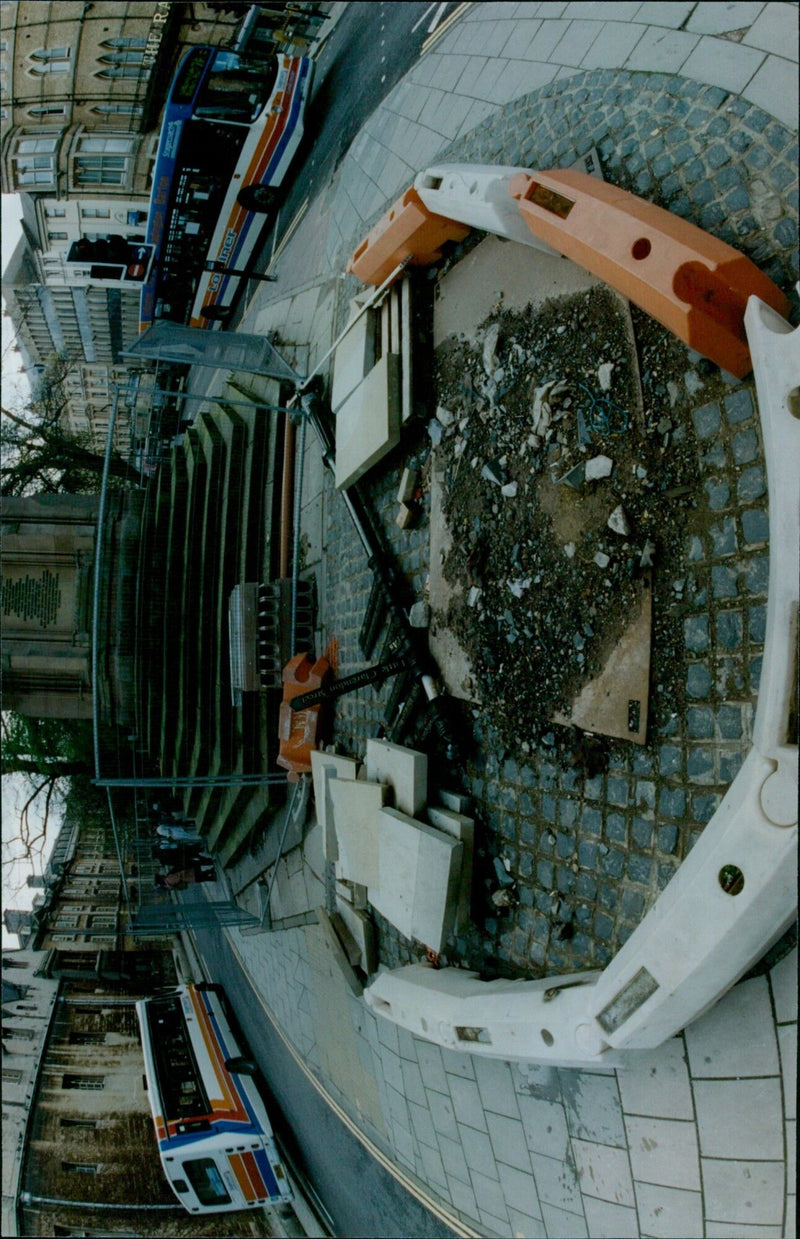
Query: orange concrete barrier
point(407, 229)
point(694, 284)
point(297, 729)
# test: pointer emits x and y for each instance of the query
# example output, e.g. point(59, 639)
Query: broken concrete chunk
point(419, 616)
point(604, 375)
point(574, 477)
point(435, 430)
point(444, 416)
point(490, 348)
point(406, 516)
point(569, 550)
point(648, 551)
point(473, 596)
point(618, 521)
point(408, 484)
point(602, 560)
point(362, 930)
point(493, 472)
point(598, 467)
point(509, 490)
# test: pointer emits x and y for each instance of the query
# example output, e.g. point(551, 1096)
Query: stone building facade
point(48, 577)
point(83, 87)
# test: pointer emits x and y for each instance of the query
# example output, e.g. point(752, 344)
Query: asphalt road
point(370, 49)
point(361, 1197)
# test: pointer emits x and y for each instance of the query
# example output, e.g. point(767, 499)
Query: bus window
point(207, 1182)
point(235, 90)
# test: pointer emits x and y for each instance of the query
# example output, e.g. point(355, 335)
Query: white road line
point(445, 26)
point(437, 18)
point(287, 236)
point(419, 22)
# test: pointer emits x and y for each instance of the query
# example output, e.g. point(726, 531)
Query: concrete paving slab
point(360, 926)
point(661, 50)
point(772, 29)
point(604, 1171)
point(614, 42)
point(657, 1083)
point(556, 1183)
point(368, 421)
point(418, 877)
point(355, 814)
point(720, 63)
point(669, 1212)
point(338, 768)
point(739, 1118)
point(664, 1151)
point(736, 1191)
point(754, 1053)
point(774, 88)
point(710, 17)
point(405, 770)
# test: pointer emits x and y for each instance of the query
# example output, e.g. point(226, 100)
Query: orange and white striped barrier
point(297, 729)
point(408, 230)
point(694, 284)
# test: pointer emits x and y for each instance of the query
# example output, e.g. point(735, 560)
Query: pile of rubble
point(565, 481)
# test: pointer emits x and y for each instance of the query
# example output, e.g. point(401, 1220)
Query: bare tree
point(40, 454)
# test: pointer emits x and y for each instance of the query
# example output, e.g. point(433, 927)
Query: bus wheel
point(216, 313)
point(241, 1066)
point(257, 197)
point(208, 987)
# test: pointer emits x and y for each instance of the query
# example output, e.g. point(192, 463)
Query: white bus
point(231, 128)
point(213, 1133)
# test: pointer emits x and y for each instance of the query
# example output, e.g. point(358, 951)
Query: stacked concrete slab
point(410, 862)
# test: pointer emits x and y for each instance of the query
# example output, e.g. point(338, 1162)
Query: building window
point(58, 236)
point(55, 212)
point(95, 212)
point(34, 160)
point(129, 41)
point(121, 71)
point(103, 161)
point(11, 1075)
point(18, 1034)
point(50, 60)
point(122, 58)
point(91, 1123)
point(87, 1083)
point(87, 1038)
point(118, 109)
point(51, 53)
point(47, 109)
point(81, 1167)
point(64, 937)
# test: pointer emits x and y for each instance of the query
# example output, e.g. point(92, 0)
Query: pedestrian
point(176, 855)
point(202, 869)
point(183, 832)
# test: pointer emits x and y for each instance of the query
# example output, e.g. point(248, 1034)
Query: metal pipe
point(286, 495)
point(298, 496)
point(366, 306)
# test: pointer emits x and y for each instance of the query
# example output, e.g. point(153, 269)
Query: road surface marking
point(457, 12)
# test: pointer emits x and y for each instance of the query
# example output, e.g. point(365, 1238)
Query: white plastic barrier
point(733, 895)
point(477, 195)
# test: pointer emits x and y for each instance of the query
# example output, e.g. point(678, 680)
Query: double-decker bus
point(231, 128)
point(214, 1136)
